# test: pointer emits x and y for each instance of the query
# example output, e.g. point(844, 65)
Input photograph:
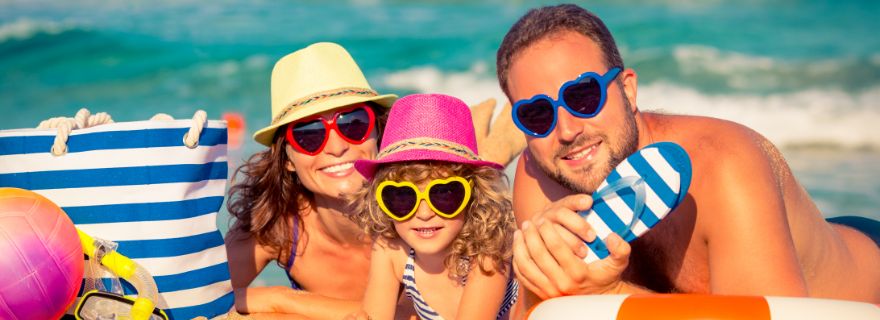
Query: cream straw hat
point(317, 78)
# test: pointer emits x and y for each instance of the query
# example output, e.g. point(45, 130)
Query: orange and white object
point(236, 126)
point(692, 306)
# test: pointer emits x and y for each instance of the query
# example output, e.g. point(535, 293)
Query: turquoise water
point(804, 73)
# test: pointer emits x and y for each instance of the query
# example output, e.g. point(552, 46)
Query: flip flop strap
point(637, 184)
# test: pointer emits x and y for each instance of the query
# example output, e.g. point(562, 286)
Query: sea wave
point(706, 58)
point(740, 67)
point(810, 118)
point(807, 118)
point(714, 70)
point(25, 28)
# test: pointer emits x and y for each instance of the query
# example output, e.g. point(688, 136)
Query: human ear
point(288, 161)
point(630, 87)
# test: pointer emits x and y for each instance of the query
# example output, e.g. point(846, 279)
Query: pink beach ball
point(41, 258)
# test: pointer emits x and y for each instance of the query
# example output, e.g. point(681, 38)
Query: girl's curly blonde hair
point(487, 236)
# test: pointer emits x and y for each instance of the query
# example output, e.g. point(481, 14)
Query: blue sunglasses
point(582, 97)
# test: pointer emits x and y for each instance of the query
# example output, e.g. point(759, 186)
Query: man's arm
point(532, 189)
point(561, 231)
point(750, 247)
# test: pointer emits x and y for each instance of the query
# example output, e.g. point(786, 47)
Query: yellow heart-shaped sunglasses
point(446, 197)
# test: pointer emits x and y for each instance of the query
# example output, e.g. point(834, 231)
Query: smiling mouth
point(427, 232)
point(582, 153)
point(337, 168)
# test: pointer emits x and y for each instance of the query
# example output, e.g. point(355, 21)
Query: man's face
point(579, 153)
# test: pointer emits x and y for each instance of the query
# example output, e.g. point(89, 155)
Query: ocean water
point(806, 74)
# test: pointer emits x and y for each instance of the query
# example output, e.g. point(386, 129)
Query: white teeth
point(579, 155)
point(338, 167)
point(426, 231)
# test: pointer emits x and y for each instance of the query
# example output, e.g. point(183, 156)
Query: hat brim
point(264, 136)
point(367, 168)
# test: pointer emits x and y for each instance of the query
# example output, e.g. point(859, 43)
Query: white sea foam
point(806, 118)
point(703, 58)
point(809, 117)
point(24, 28)
point(748, 72)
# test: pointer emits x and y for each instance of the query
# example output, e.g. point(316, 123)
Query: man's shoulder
point(688, 127)
point(729, 161)
point(719, 149)
point(706, 136)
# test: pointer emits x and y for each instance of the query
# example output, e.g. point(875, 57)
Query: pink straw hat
point(427, 127)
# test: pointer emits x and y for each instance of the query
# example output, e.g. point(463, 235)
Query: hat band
point(341, 92)
point(429, 144)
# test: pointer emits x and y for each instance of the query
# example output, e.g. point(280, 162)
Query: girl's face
point(428, 233)
point(331, 173)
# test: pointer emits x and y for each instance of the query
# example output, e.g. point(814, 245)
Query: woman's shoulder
point(243, 245)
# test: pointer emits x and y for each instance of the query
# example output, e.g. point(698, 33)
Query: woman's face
point(331, 173)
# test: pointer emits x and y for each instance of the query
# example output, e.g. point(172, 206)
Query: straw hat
point(427, 127)
point(317, 78)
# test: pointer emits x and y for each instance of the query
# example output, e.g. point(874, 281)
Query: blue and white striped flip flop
point(637, 194)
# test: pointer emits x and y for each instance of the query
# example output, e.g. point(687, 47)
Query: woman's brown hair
point(269, 195)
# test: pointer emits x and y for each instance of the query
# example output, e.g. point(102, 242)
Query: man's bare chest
point(670, 258)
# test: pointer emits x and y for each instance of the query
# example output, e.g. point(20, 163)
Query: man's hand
point(548, 253)
point(498, 141)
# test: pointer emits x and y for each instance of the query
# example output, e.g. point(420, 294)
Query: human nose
point(336, 146)
point(568, 127)
point(424, 211)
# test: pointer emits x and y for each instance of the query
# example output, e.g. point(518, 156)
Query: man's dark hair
point(540, 23)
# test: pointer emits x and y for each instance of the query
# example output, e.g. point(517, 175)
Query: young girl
point(441, 218)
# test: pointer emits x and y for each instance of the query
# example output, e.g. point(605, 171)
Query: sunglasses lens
point(447, 198)
point(399, 200)
point(354, 125)
point(536, 116)
point(309, 135)
point(583, 97)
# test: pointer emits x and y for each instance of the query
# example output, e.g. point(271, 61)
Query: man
point(745, 227)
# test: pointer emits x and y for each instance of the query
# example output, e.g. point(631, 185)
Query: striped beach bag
point(153, 187)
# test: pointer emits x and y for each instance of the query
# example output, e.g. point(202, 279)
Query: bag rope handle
point(191, 138)
point(84, 119)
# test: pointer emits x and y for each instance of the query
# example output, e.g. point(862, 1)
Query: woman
point(290, 194)
point(288, 205)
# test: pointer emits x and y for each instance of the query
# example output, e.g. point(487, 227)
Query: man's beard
point(582, 180)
